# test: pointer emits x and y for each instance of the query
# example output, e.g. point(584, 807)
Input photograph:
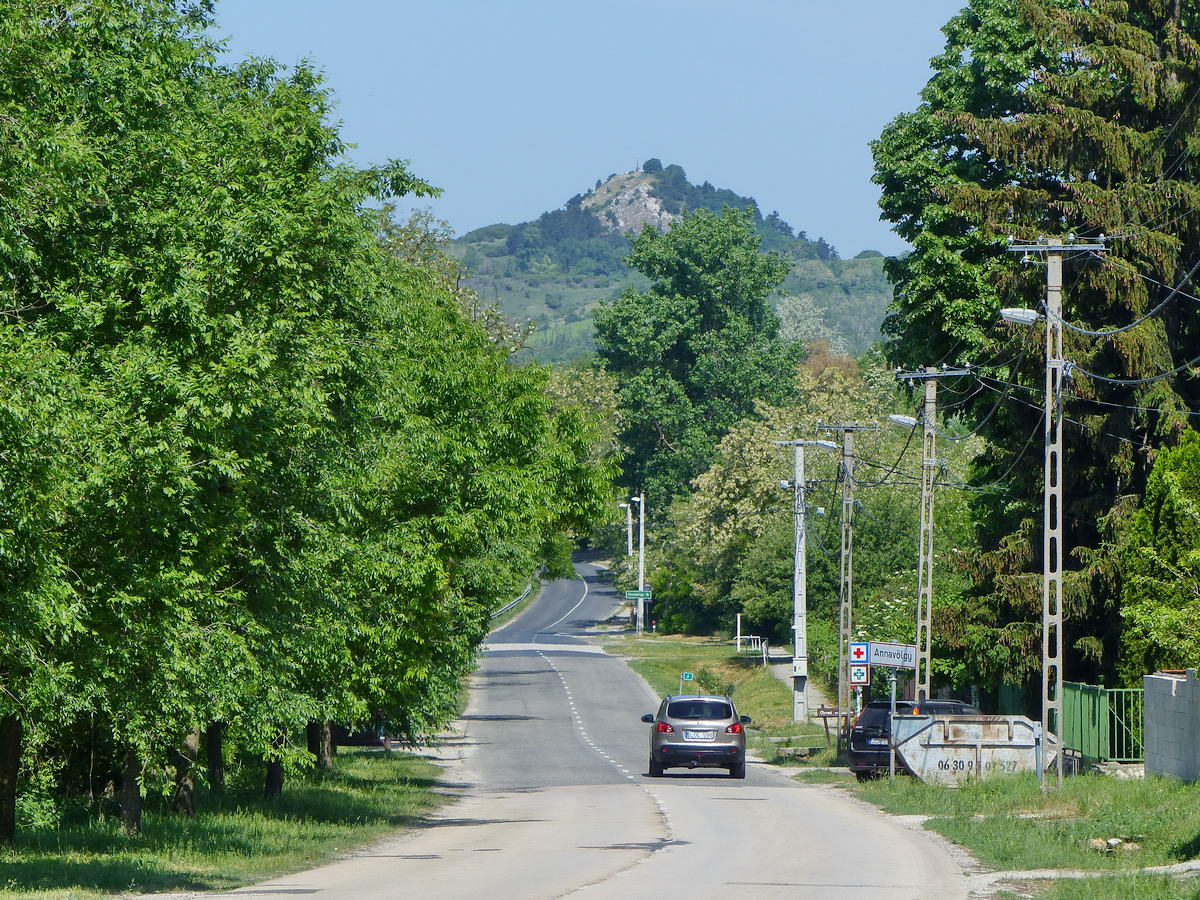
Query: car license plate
point(877, 742)
point(698, 735)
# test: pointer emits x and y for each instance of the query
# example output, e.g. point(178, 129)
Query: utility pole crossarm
point(1050, 246)
point(924, 374)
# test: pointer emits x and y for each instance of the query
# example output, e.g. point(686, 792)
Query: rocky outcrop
point(626, 202)
point(633, 207)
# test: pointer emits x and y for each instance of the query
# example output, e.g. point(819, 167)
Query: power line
point(1076, 397)
point(1175, 291)
point(895, 465)
point(962, 484)
point(1111, 331)
point(1130, 382)
point(1082, 425)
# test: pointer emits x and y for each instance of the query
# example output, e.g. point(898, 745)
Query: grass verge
point(720, 670)
point(235, 841)
point(1009, 824)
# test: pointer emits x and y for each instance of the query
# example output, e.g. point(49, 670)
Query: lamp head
point(1020, 316)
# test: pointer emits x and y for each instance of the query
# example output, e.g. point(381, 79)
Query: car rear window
point(699, 709)
point(953, 709)
point(876, 713)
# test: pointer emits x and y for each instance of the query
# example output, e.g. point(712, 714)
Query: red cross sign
point(858, 653)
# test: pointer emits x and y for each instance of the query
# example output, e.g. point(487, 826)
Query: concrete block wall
point(1172, 726)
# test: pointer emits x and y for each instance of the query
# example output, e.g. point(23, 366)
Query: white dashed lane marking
point(578, 722)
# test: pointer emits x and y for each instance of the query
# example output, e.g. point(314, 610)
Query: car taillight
point(735, 728)
point(664, 728)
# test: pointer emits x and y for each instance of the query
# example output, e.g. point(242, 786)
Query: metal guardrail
point(511, 603)
point(1103, 724)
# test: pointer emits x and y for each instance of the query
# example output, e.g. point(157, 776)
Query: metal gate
point(1103, 724)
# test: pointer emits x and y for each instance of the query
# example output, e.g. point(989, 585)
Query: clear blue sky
point(513, 106)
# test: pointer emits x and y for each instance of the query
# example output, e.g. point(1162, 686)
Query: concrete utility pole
point(1053, 548)
point(800, 580)
point(929, 471)
point(640, 500)
point(846, 586)
point(628, 507)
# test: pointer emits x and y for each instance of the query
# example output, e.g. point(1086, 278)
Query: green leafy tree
point(729, 547)
point(1159, 557)
point(264, 472)
point(694, 353)
point(1047, 117)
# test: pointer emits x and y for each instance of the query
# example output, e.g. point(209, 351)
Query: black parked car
point(869, 737)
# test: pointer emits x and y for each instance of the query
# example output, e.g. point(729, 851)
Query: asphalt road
point(556, 801)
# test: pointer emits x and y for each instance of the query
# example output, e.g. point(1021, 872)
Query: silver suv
point(697, 730)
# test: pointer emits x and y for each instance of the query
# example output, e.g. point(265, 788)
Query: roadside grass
point(1117, 887)
point(720, 669)
point(234, 841)
point(823, 776)
point(1008, 823)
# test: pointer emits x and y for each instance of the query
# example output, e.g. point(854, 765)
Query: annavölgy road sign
point(896, 656)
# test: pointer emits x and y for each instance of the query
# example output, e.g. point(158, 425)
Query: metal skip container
point(948, 749)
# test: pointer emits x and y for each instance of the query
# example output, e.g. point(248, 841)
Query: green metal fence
point(1103, 724)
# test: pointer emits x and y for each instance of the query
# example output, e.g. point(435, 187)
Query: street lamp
point(1019, 315)
point(628, 528)
point(799, 580)
point(640, 500)
point(1052, 503)
point(1053, 534)
point(924, 623)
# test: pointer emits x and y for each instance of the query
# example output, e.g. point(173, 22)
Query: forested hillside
point(554, 270)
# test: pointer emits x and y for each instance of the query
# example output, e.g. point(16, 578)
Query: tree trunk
point(11, 734)
point(214, 751)
point(320, 745)
point(131, 793)
point(273, 786)
point(184, 799)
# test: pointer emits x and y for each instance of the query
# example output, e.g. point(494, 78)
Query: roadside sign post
point(640, 597)
point(684, 676)
point(892, 728)
point(892, 657)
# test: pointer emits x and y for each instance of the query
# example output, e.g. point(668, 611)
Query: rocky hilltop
point(554, 269)
point(627, 202)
